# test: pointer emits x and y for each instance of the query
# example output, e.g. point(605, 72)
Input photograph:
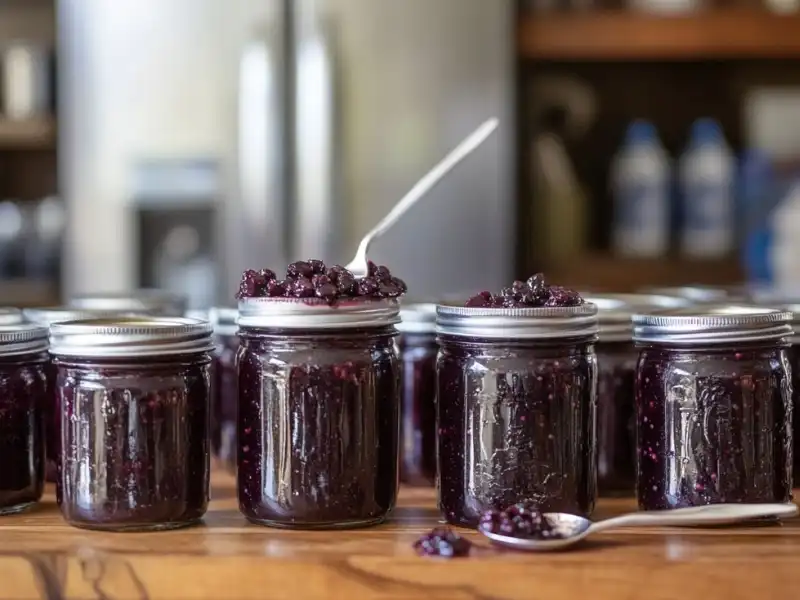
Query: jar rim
point(546, 322)
point(315, 314)
point(712, 324)
point(10, 315)
point(132, 336)
point(615, 311)
point(22, 338)
point(417, 318)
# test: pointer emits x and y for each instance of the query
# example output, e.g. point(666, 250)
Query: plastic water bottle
point(707, 179)
point(757, 198)
point(785, 247)
point(641, 182)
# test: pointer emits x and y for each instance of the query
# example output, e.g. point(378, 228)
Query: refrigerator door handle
point(261, 222)
point(315, 217)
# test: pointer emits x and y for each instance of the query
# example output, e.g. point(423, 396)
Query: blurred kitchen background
point(173, 143)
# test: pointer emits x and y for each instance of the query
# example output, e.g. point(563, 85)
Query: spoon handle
point(424, 185)
point(697, 515)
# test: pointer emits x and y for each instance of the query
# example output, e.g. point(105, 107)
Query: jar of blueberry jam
point(616, 368)
point(516, 399)
point(225, 397)
point(46, 317)
point(713, 406)
point(418, 350)
point(23, 356)
point(133, 399)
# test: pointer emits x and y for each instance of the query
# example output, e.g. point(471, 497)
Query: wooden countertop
point(230, 559)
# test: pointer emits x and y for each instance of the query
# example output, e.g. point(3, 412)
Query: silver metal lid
point(615, 311)
point(198, 314)
point(10, 316)
point(708, 325)
point(120, 337)
point(417, 318)
point(55, 314)
point(517, 323)
point(155, 302)
point(22, 338)
point(223, 319)
point(695, 293)
point(312, 314)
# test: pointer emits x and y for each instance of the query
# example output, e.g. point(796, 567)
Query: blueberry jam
point(444, 542)
point(23, 392)
point(714, 425)
point(522, 520)
point(527, 294)
point(312, 279)
point(135, 442)
point(418, 349)
point(318, 425)
point(794, 363)
point(224, 379)
point(616, 420)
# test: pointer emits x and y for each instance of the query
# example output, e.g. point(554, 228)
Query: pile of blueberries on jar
point(323, 391)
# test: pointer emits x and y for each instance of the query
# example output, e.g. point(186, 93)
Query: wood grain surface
point(227, 558)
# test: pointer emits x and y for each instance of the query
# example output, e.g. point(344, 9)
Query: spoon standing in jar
point(359, 263)
point(568, 530)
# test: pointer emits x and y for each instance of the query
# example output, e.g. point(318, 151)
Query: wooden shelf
point(729, 34)
point(39, 133)
point(608, 274)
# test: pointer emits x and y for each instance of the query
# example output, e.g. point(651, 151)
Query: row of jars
point(526, 409)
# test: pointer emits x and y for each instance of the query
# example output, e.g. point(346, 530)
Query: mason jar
point(418, 349)
point(144, 301)
point(516, 401)
point(23, 355)
point(10, 315)
point(133, 399)
point(319, 412)
point(225, 396)
point(616, 367)
point(713, 406)
point(46, 317)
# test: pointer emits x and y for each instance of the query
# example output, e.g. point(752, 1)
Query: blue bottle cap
point(640, 131)
point(706, 131)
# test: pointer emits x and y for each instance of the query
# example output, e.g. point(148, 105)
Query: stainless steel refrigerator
point(276, 130)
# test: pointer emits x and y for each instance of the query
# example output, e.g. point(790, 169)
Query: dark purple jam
point(443, 542)
point(523, 520)
point(418, 465)
point(516, 424)
point(23, 391)
point(225, 400)
point(313, 279)
point(135, 441)
point(527, 294)
point(51, 419)
point(318, 426)
point(714, 426)
point(616, 418)
point(794, 364)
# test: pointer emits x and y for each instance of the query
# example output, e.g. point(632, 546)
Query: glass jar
point(23, 356)
point(319, 412)
point(616, 368)
point(225, 394)
point(46, 317)
point(516, 400)
point(133, 399)
point(418, 349)
point(10, 316)
point(713, 407)
point(145, 301)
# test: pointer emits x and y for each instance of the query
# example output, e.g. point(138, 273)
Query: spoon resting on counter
point(567, 530)
point(358, 266)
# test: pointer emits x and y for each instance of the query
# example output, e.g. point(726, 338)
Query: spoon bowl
point(571, 529)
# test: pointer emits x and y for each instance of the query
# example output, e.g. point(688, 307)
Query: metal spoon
point(359, 263)
point(573, 529)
